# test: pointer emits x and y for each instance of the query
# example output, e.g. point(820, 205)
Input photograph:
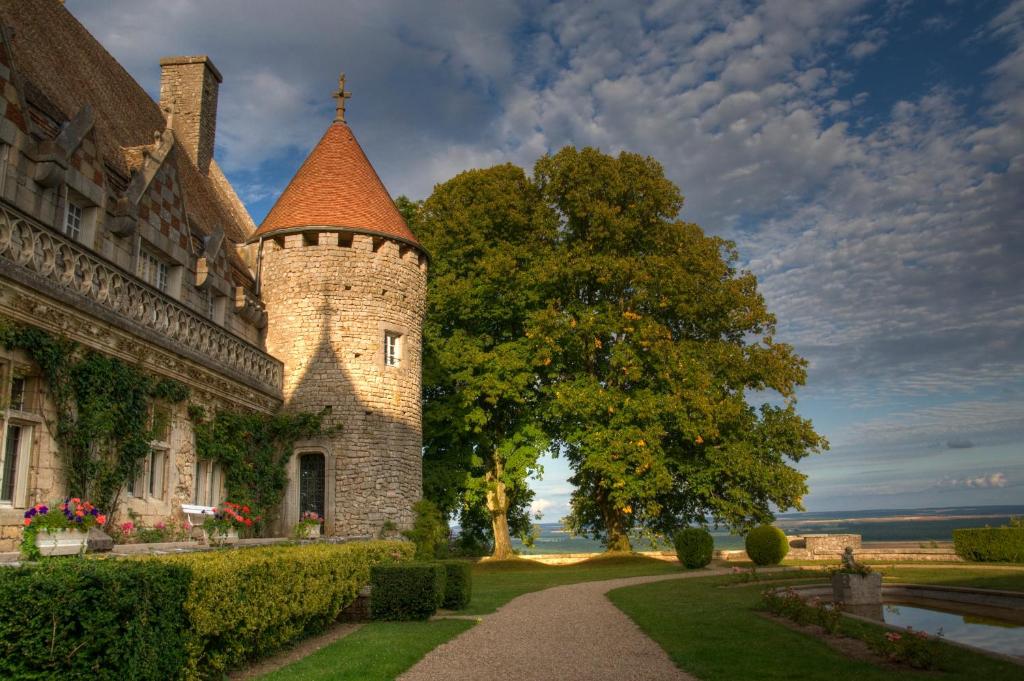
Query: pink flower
point(893, 637)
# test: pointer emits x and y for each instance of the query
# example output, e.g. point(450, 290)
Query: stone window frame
point(28, 420)
point(153, 269)
point(290, 514)
point(384, 329)
point(88, 212)
point(156, 465)
point(213, 483)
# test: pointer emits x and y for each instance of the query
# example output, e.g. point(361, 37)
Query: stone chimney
point(188, 87)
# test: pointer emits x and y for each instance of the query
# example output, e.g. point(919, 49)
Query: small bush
point(458, 584)
point(429, 532)
point(93, 619)
point(413, 591)
point(990, 544)
point(694, 546)
point(767, 545)
point(246, 603)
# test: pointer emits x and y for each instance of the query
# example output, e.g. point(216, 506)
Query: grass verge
point(717, 634)
point(495, 583)
point(379, 651)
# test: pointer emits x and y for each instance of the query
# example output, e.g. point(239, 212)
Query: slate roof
point(336, 186)
point(67, 68)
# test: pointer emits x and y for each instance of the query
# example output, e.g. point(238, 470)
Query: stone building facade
point(118, 230)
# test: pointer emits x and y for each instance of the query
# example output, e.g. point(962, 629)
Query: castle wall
point(330, 298)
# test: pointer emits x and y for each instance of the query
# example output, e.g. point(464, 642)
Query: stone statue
point(849, 562)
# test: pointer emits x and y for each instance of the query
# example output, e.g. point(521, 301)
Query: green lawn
point(379, 651)
point(716, 634)
point(496, 583)
point(713, 628)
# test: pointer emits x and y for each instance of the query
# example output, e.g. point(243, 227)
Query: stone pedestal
point(853, 589)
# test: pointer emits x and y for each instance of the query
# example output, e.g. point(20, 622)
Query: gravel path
point(562, 633)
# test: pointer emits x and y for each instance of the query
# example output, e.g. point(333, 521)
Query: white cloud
point(989, 480)
point(539, 506)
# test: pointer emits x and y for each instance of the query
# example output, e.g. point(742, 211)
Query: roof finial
point(341, 95)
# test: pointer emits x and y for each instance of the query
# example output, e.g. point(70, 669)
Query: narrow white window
point(392, 349)
point(157, 461)
point(18, 393)
point(153, 270)
point(9, 466)
point(73, 220)
point(15, 443)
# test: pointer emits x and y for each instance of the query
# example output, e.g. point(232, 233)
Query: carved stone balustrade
point(56, 262)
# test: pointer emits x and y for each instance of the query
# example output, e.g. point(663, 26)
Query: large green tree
point(488, 233)
point(655, 343)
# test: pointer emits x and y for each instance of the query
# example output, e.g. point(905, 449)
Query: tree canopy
point(657, 344)
point(487, 231)
point(574, 311)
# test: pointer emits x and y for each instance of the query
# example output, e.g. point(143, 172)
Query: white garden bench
point(194, 511)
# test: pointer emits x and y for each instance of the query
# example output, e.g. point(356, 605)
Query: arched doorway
point(312, 483)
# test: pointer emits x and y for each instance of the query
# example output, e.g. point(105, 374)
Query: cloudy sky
point(867, 157)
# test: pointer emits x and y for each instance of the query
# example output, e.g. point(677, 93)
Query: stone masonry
point(330, 298)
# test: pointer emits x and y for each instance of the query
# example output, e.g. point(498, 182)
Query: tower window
point(392, 349)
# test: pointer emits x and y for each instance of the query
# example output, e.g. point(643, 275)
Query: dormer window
point(392, 349)
point(73, 220)
point(153, 270)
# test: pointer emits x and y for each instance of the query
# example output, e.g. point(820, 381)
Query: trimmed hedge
point(767, 545)
point(245, 603)
point(412, 591)
point(990, 544)
point(458, 584)
point(694, 547)
point(93, 619)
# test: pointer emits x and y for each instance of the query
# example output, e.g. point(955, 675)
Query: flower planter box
point(851, 589)
point(68, 542)
point(221, 538)
point(314, 532)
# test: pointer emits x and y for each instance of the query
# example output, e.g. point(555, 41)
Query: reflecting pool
point(997, 635)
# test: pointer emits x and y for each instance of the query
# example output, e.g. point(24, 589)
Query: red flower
point(245, 509)
point(248, 523)
point(101, 519)
point(28, 521)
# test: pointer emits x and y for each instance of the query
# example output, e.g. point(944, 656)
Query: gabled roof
point(67, 68)
point(337, 187)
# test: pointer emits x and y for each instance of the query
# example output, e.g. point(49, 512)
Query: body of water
point(910, 525)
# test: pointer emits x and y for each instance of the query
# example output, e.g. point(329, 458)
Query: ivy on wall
point(253, 450)
point(105, 421)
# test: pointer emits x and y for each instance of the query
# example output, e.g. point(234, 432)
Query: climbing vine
point(105, 421)
point(253, 450)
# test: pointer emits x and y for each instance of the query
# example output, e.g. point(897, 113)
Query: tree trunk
point(497, 505)
point(614, 523)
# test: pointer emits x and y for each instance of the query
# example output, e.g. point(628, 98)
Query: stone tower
point(344, 284)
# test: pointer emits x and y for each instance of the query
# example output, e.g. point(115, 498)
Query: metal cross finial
point(341, 95)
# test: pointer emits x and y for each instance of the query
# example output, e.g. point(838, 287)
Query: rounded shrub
point(767, 545)
point(694, 546)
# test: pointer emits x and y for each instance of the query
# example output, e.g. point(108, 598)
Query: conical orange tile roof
point(337, 187)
